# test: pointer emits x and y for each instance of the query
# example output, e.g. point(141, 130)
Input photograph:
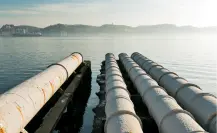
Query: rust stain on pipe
point(20, 111)
point(52, 87)
point(29, 96)
point(2, 130)
point(44, 95)
point(75, 58)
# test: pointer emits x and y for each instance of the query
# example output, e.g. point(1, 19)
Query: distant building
point(25, 32)
point(6, 33)
point(64, 33)
point(20, 31)
point(7, 30)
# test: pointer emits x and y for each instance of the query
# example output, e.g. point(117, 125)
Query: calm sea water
point(192, 56)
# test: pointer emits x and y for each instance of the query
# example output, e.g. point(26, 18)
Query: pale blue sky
point(41, 13)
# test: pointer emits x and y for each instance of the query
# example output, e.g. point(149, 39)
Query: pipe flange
point(212, 122)
point(164, 97)
point(122, 54)
point(132, 68)
point(111, 67)
point(138, 54)
point(80, 54)
point(124, 97)
point(203, 94)
point(153, 67)
point(175, 111)
point(128, 61)
point(124, 58)
point(121, 113)
point(183, 86)
point(145, 62)
point(115, 74)
point(117, 88)
point(111, 61)
point(139, 57)
point(115, 80)
point(207, 124)
point(134, 54)
point(110, 54)
point(181, 78)
point(166, 73)
point(150, 88)
point(148, 80)
point(54, 64)
point(134, 81)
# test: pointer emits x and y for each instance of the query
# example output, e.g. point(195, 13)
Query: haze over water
point(192, 56)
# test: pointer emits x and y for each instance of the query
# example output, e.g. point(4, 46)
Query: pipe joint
point(57, 64)
point(123, 112)
point(174, 112)
point(185, 85)
point(166, 73)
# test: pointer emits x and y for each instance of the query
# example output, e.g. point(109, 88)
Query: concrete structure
point(119, 109)
point(21, 103)
point(169, 116)
point(202, 105)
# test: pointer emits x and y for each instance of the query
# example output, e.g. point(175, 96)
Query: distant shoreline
point(69, 30)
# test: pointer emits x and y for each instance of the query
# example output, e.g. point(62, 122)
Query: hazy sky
point(97, 12)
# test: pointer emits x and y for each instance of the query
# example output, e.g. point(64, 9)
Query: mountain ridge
point(59, 29)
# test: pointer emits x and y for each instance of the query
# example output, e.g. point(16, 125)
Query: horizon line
point(116, 25)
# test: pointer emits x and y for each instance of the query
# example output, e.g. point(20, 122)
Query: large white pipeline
point(119, 109)
point(203, 106)
point(21, 103)
point(169, 116)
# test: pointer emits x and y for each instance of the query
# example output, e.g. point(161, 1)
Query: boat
point(37, 34)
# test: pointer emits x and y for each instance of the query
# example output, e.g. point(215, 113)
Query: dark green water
point(192, 56)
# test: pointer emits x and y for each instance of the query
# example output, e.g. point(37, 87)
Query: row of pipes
point(21, 103)
point(203, 106)
point(167, 113)
point(119, 109)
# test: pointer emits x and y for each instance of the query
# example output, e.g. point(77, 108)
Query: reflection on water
point(191, 56)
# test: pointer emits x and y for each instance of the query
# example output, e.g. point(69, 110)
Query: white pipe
point(169, 116)
point(119, 109)
point(20, 104)
point(114, 78)
point(202, 105)
point(118, 92)
point(213, 125)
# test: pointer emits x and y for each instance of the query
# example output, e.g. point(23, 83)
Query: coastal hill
point(9, 29)
point(65, 30)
